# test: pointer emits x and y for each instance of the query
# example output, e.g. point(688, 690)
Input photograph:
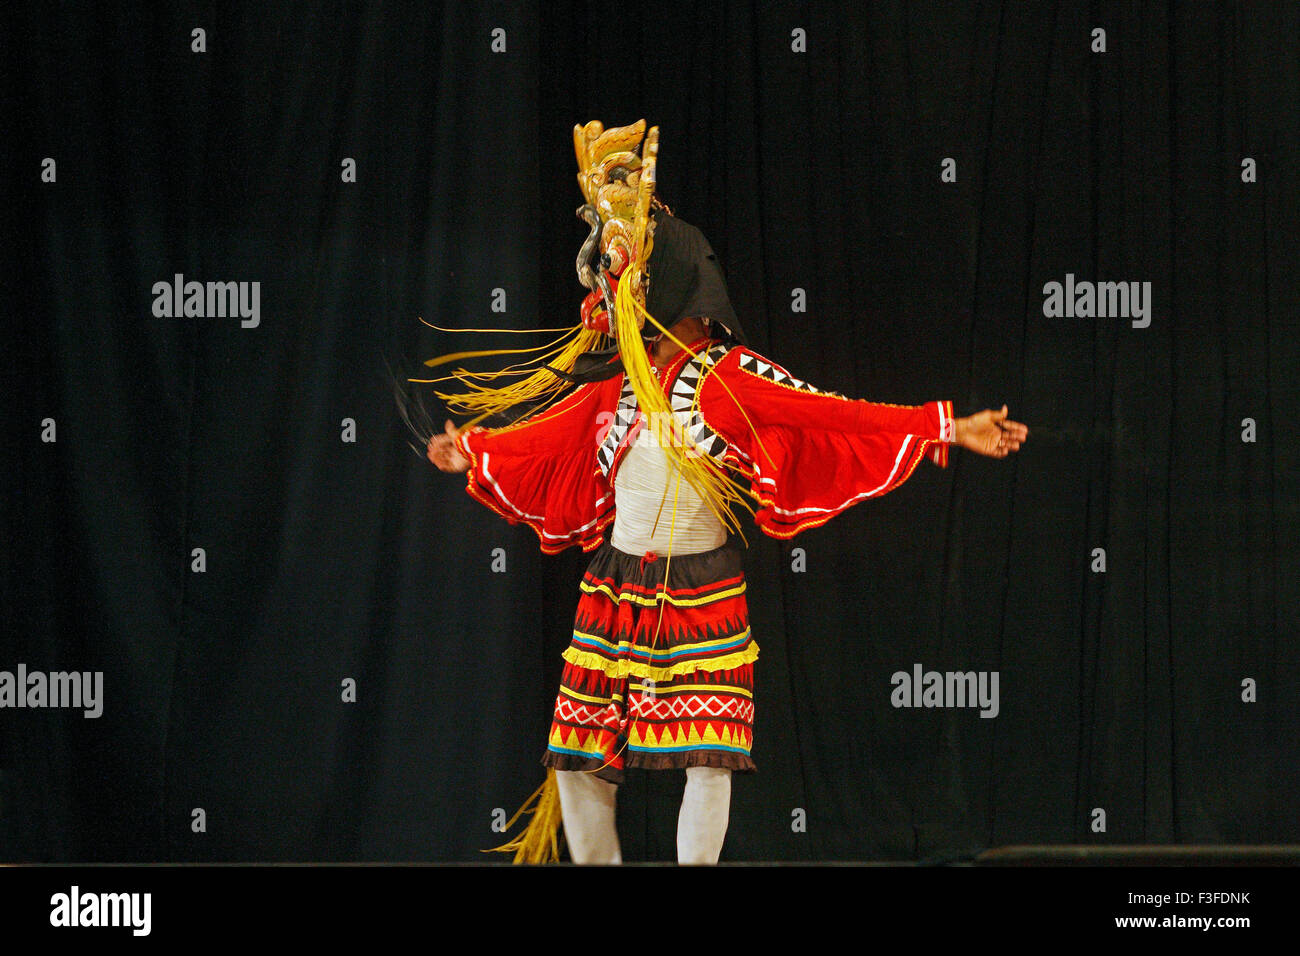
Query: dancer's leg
point(587, 805)
point(706, 807)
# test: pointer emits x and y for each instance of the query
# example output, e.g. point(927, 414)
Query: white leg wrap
point(706, 807)
point(587, 805)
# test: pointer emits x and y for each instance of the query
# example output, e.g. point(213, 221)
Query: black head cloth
point(685, 280)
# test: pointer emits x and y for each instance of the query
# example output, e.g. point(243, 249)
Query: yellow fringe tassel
point(539, 842)
point(538, 385)
point(719, 490)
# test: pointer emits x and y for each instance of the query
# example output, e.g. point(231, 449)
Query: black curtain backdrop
point(815, 170)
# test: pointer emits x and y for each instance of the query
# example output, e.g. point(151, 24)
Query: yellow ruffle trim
point(622, 667)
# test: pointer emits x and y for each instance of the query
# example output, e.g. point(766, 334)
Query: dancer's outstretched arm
point(541, 471)
point(810, 454)
point(769, 395)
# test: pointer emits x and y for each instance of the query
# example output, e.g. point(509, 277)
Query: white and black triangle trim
point(752, 363)
point(683, 399)
point(624, 416)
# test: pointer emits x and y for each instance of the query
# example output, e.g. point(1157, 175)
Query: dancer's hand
point(443, 452)
point(991, 433)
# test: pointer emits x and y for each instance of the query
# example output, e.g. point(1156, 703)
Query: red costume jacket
point(806, 454)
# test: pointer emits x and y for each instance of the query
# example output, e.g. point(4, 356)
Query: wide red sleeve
point(543, 471)
point(811, 454)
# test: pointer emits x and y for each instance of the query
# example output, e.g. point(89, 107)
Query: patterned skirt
point(657, 677)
